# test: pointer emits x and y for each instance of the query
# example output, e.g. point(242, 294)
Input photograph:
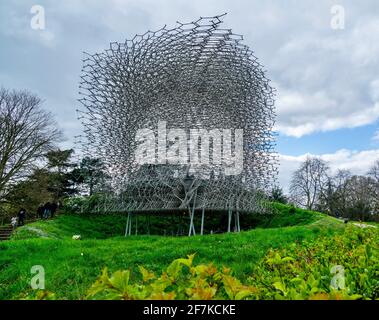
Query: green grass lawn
point(72, 266)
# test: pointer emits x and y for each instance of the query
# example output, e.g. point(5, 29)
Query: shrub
point(181, 280)
point(82, 204)
point(306, 270)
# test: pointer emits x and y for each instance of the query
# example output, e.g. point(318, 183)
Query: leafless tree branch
point(27, 132)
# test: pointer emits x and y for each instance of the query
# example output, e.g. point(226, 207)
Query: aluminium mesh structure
point(195, 81)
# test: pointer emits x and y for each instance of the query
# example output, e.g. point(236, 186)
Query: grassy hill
point(106, 226)
point(72, 266)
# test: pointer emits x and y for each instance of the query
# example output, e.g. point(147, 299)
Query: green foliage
point(61, 183)
point(180, 280)
point(30, 193)
point(59, 159)
point(39, 295)
point(277, 195)
point(91, 173)
point(286, 215)
point(50, 184)
point(83, 204)
point(304, 270)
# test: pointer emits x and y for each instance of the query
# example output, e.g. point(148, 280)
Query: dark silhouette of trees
point(51, 182)
point(360, 198)
point(374, 174)
point(59, 160)
point(31, 192)
point(91, 173)
point(61, 184)
point(333, 199)
point(277, 195)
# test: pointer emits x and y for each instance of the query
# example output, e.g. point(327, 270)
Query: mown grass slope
point(71, 266)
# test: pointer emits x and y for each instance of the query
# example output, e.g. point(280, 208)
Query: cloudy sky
point(327, 79)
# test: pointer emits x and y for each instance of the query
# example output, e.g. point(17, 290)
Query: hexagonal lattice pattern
point(194, 76)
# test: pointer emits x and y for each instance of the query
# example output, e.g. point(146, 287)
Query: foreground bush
point(181, 280)
point(345, 266)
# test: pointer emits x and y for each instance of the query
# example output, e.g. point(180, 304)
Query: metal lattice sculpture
point(196, 77)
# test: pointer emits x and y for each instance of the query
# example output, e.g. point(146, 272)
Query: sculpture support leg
point(192, 225)
point(192, 214)
point(136, 225)
point(229, 219)
point(127, 225)
point(202, 222)
point(130, 224)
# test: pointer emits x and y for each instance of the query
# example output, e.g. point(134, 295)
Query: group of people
point(47, 210)
point(44, 211)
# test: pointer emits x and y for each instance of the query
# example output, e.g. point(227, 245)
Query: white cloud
point(376, 136)
point(364, 42)
point(358, 162)
point(374, 89)
point(299, 115)
point(326, 79)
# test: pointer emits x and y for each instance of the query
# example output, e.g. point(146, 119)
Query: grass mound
point(113, 225)
point(66, 225)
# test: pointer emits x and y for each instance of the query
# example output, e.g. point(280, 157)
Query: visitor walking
point(40, 211)
point(21, 217)
point(46, 211)
point(14, 222)
point(53, 209)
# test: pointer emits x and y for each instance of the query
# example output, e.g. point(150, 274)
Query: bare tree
point(360, 198)
point(341, 193)
point(309, 182)
point(350, 196)
point(374, 174)
point(333, 199)
point(374, 171)
point(26, 133)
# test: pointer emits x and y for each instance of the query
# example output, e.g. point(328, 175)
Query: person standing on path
point(47, 212)
point(53, 209)
point(14, 222)
point(40, 211)
point(21, 217)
